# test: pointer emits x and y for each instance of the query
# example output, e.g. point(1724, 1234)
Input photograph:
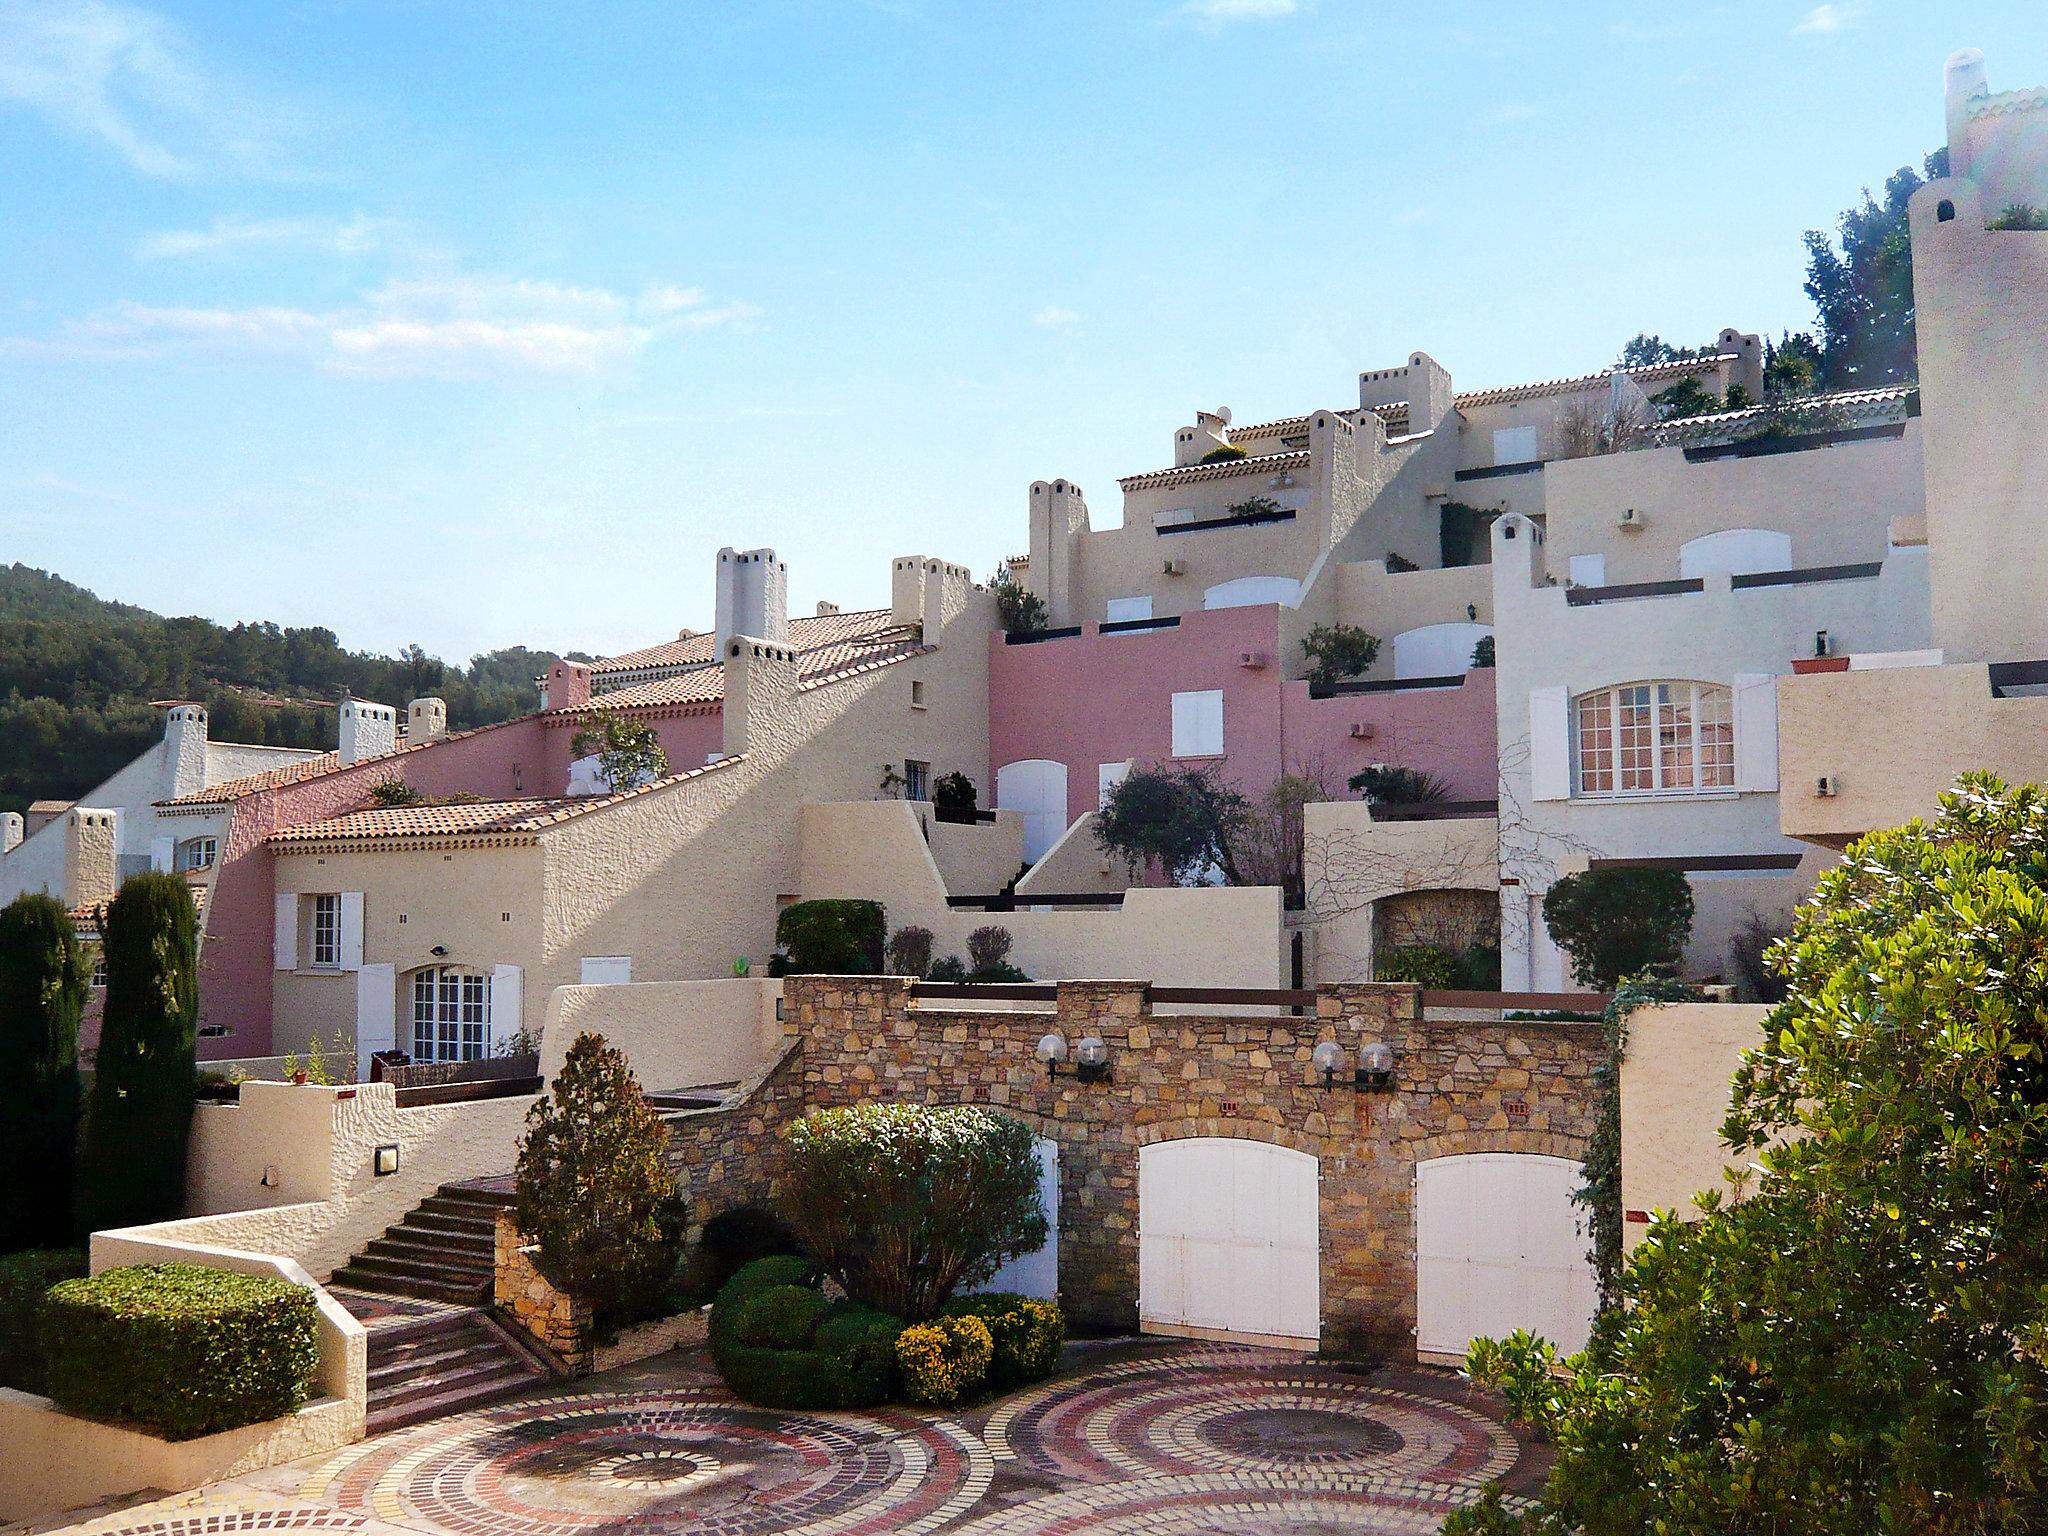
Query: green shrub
point(902, 1204)
point(24, 1278)
point(2019, 216)
point(43, 979)
point(944, 1360)
point(1028, 1335)
point(988, 955)
point(178, 1349)
point(1337, 651)
point(1224, 454)
point(950, 968)
point(1424, 964)
point(1617, 923)
point(1479, 969)
point(781, 1317)
point(1389, 784)
point(140, 1119)
point(1482, 652)
point(955, 792)
point(593, 1187)
point(910, 951)
point(847, 1365)
point(1019, 610)
point(848, 1324)
point(830, 938)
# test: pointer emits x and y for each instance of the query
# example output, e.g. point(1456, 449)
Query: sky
point(476, 324)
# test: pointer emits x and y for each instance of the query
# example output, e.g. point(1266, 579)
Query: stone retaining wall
point(1459, 1087)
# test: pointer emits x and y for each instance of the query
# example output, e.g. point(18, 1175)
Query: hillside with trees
point(77, 674)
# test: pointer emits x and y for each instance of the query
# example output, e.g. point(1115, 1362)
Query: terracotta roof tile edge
point(213, 794)
point(1257, 463)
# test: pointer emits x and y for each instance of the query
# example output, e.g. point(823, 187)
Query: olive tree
point(1859, 1344)
point(903, 1204)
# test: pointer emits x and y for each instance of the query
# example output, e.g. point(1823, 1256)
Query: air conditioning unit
point(1251, 661)
point(1631, 518)
point(1364, 730)
point(1827, 786)
point(1175, 568)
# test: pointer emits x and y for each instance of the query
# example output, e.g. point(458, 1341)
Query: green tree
point(1617, 923)
point(1646, 351)
point(593, 1188)
point(903, 1204)
point(1019, 610)
point(140, 1116)
point(1859, 1343)
point(629, 751)
point(1688, 397)
point(1187, 819)
point(42, 994)
point(1861, 283)
point(1337, 651)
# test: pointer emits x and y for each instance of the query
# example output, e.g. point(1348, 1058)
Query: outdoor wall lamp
point(384, 1160)
point(1375, 1071)
point(1091, 1056)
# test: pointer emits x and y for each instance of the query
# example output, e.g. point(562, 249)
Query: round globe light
point(1052, 1048)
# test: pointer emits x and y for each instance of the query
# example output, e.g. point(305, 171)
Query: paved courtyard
point(1134, 1438)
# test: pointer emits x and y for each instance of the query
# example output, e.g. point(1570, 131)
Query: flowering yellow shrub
point(945, 1359)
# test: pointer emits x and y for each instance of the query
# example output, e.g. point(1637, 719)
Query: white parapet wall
point(675, 1034)
point(56, 1462)
point(1675, 1079)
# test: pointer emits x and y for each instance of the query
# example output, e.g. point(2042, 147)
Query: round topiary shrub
point(178, 1349)
point(781, 1317)
point(944, 1360)
point(1028, 1334)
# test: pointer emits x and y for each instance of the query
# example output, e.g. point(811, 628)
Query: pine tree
point(42, 994)
point(140, 1118)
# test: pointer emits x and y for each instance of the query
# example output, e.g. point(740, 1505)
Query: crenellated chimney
point(367, 730)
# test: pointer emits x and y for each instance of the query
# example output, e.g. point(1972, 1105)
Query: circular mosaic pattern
point(677, 1462)
point(1217, 1505)
point(1155, 1419)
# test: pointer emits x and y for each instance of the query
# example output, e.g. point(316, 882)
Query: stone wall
point(1460, 1087)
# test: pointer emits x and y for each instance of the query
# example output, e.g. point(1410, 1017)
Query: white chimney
point(425, 719)
point(185, 748)
point(753, 596)
point(367, 730)
point(10, 831)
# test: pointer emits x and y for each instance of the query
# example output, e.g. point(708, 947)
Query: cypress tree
point(43, 985)
point(139, 1120)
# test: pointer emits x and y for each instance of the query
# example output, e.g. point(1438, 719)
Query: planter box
point(57, 1461)
point(1804, 665)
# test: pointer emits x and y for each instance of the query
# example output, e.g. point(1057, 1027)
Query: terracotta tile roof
point(519, 819)
point(1189, 474)
point(1656, 373)
point(826, 656)
point(804, 633)
point(254, 783)
point(1842, 408)
point(88, 916)
point(2025, 100)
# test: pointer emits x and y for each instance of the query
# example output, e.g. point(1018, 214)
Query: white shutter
point(284, 942)
point(1107, 777)
point(1589, 570)
point(1550, 758)
point(1198, 723)
point(606, 970)
point(376, 1014)
point(504, 1006)
point(161, 850)
point(351, 930)
point(1756, 731)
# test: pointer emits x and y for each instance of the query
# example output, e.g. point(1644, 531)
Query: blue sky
point(479, 324)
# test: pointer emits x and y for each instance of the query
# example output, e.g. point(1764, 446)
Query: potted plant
point(954, 797)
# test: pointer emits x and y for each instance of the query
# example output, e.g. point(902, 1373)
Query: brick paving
point(1135, 1438)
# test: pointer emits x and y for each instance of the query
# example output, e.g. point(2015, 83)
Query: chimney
point(826, 610)
point(760, 688)
point(425, 719)
point(906, 589)
point(947, 589)
point(185, 747)
point(89, 848)
point(367, 730)
point(753, 596)
point(567, 686)
point(10, 831)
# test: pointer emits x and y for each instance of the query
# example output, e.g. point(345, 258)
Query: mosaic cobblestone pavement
point(1137, 1439)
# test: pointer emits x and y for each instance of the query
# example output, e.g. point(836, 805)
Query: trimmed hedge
point(1028, 1334)
point(837, 1355)
point(24, 1279)
point(180, 1350)
point(830, 938)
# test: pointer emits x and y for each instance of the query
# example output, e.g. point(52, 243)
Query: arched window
point(197, 853)
point(1661, 738)
point(451, 1014)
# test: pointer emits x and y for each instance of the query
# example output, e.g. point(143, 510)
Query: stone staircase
point(423, 1290)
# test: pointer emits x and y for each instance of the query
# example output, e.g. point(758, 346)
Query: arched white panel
point(1738, 551)
point(1437, 650)
point(1251, 591)
point(1499, 1245)
point(1229, 1239)
point(1036, 788)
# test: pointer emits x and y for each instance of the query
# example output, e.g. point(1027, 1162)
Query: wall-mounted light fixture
point(1374, 1073)
point(1090, 1057)
point(439, 951)
point(384, 1160)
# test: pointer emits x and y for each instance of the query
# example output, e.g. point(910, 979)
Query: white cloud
point(1408, 218)
point(1056, 317)
point(459, 325)
point(1824, 19)
point(1215, 14)
point(125, 77)
point(356, 236)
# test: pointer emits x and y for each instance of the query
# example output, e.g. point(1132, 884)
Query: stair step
point(427, 1352)
point(383, 1282)
point(453, 1398)
point(420, 1267)
point(444, 1247)
point(477, 1194)
point(451, 1208)
point(479, 1360)
point(420, 1219)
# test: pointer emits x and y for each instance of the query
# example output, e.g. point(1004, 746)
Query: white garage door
point(1037, 788)
point(1228, 1240)
point(1038, 1273)
point(1499, 1245)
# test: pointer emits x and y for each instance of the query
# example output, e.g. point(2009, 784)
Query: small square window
point(917, 693)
